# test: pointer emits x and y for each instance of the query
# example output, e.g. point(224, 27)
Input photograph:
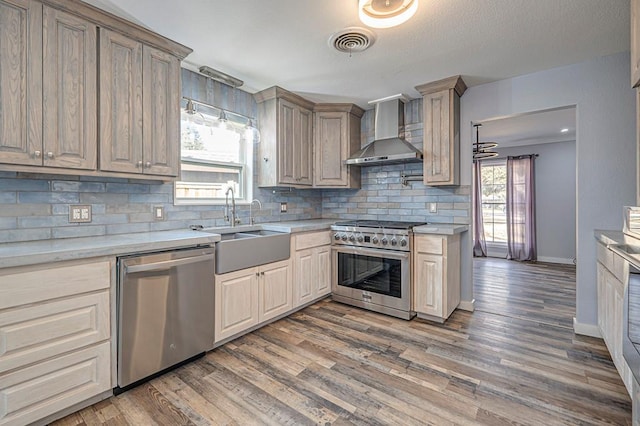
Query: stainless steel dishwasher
point(165, 311)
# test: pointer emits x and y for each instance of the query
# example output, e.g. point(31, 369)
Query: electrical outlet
point(283, 207)
point(158, 213)
point(80, 214)
point(433, 207)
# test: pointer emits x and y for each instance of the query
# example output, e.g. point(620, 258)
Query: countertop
point(610, 237)
point(45, 251)
point(441, 229)
point(623, 245)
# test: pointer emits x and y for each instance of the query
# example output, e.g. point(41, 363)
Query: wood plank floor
point(332, 364)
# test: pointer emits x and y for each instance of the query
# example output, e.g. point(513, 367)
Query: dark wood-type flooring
point(513, 361)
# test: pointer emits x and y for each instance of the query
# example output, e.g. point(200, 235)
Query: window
point(215, 156)
point(494, 197)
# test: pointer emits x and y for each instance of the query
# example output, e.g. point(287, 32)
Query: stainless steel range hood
point(388, 147)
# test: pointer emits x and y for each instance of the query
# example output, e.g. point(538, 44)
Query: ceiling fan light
point(386, 13)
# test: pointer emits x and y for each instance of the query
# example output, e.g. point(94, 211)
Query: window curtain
point(521, 226)
point(479, 242)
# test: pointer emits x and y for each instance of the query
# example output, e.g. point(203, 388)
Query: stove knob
point(394, 242)
point(384, 241)
point(360, 238)
point(403, 242)
point(352, 238)
point(344, 237)
point(336, 236)
point(374, 240)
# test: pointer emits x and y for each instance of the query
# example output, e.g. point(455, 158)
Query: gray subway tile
point(48, 197)
point(77, 186)
point(79, 231)
point(23, 185)
point(7, 197)
point(16, 235)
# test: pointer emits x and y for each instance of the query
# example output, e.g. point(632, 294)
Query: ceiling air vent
point(352, 40)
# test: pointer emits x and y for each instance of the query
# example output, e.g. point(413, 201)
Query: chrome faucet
point(252, 220)
point(234, 220)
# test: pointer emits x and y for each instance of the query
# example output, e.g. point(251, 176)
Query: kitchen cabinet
point(139, 89)
point(635, 43)
point(611, 275)
point(441, 147)
point(245, 298)
point(436, 275)
point(311, 266)
point(286, 139)
point(50, 104)
point(55, 323)
point(336, 138)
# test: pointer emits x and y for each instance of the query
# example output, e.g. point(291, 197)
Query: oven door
point(372, 277)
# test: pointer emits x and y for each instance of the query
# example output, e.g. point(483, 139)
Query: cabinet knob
point(139, 163)
point(265, 159)
point(257, 274)
point(147, 164)
point(50, 154)
point(262, 273)
point(37, 154)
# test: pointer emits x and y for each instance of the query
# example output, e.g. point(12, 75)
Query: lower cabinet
point(311, 266)
point(55, 330)
point(436, 275)
point(610, 292)
point(250, 296)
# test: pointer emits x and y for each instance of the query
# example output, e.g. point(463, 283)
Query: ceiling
point(285, 42)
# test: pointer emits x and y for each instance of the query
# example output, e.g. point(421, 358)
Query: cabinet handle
point(139, 163)
point(147, 164)
point(50, 154)
point(37, 154)
point(266, 159)
point(257, 274)
point(262, 273)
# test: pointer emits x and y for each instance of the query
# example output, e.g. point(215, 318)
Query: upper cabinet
point(635, 43)
point(54, 94)
point(441, 106)
point(336, 137)
point(286, 146)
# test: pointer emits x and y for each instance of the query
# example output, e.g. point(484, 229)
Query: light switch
point(283, 207)
point(80, 214)
point(433, 207)
point(158, 213)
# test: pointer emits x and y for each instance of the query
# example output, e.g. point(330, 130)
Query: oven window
point(374, 274)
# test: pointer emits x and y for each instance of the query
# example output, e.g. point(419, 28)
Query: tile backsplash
point(36, 206)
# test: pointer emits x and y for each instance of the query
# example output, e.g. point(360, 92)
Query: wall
point(555, 186)
point(382, 195)
point(605, 151)
point(36, 207)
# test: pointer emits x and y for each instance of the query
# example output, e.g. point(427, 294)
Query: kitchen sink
point(246, 249)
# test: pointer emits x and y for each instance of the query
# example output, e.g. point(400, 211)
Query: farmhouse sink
point(246, 249)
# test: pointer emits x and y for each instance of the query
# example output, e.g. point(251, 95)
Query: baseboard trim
point(560, 260)
point(586, 329)
point(467, 305)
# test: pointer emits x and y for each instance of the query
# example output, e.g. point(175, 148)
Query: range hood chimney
point(388, 147)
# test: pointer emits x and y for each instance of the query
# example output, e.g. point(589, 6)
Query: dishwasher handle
point(162, 266)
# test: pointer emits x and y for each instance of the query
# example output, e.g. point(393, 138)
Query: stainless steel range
point(371, 263)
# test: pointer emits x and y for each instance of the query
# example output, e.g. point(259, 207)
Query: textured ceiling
point(285, 42)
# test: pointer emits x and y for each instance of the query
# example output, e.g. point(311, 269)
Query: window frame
point(493, 243)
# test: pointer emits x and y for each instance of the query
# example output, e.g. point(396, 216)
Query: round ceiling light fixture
point(386, 13)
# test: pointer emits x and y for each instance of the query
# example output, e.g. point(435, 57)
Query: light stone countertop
point(623, 245)
point(46, 251)
point(441, 229)
point(607, 237)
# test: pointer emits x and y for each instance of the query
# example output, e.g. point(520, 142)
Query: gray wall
point(555, 186)
point(605, 151)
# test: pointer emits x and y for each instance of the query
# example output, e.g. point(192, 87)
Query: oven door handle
point(365, 251)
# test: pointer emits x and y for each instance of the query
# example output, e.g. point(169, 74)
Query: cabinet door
point(440, 138)
point(303, 167)
point(635, 43)
point(275, 290)
point(161, 113)
point(323, 276)
point(21, 82)
point(286, 142)
point(428, 284)
point(236, 302)
point(120, 103)
point(70, 106)
point(331, 149)
point(304, 276)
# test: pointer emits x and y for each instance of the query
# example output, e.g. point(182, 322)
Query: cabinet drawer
point(619, 267)
point(312, 239)
point(35, 392)
point(429, 244)
point(52, 281)
point(45, 330)
point(605, 256)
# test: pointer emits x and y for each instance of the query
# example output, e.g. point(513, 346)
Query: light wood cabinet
point(139, 91)
point(436, 275)
point(21, 82)
point(55, 330)
point(286, 133)
point(336, 138)
point(245, 298)
point(611, 273)
point(441, 148)
point(635, 43)
point(311, 266)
